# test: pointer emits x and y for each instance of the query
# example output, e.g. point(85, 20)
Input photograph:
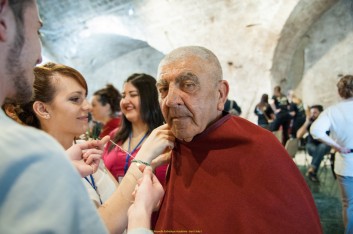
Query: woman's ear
point(41, 110)
point(223, 90)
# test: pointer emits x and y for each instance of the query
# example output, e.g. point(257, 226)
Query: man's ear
point(41, 110)
point(4, 6)
point(10, 111)
point(223, 90)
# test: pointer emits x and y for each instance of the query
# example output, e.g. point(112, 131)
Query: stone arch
point(289, 52)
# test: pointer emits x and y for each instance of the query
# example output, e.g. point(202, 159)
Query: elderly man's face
point(189, 96)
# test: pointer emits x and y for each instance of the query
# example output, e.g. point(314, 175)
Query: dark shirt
point(298, 109)
point(264, 114)
point(232, 107)
point(281, 103)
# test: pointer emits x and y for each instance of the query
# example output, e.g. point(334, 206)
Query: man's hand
point(343, 150)
point(87, 155)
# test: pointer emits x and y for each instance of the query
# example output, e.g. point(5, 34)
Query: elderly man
point(227, 175)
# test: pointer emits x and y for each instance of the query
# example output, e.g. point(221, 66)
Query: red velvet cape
point(236, 177)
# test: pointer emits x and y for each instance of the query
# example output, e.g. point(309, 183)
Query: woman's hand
point(161, 159)
point(87, 155)
point(159, 143)
point(147, 197)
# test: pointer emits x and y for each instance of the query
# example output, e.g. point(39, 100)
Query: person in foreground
point(33, 165)
point(141, 210)
point(227, 175)
point(34, 172)
point(338, 119)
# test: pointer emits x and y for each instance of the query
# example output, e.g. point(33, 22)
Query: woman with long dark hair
point(140, 115)
point(264, 112)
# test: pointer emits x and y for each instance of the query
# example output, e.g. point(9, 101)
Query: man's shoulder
point(237, 126)
point(19, 142)
point(33, 167)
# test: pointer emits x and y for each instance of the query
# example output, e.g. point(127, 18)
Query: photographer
point(315, 148)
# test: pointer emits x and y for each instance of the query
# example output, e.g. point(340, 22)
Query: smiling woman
point(140, 115)
point(60, 108)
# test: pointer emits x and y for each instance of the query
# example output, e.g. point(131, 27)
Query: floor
point(326, 194)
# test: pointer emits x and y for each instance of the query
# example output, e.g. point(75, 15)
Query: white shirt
point(338, 119)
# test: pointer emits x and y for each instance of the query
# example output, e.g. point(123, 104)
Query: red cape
point(236, 177)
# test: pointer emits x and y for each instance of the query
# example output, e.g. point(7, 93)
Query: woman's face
point(130, 103)
point(99, 112)
point(69, 109)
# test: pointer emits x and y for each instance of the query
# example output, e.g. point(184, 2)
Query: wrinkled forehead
point(172, 68)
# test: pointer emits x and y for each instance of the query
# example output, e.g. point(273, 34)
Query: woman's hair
point(109, 95)
point(264, 98)
point(46, 78)
point(149, 106)
point(263, 102)
point(345, 86)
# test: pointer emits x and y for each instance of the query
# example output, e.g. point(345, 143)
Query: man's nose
point(173, 97)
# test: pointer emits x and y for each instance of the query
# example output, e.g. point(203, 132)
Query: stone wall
point(299, 44)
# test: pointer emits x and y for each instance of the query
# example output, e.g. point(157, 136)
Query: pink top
point(116, 160)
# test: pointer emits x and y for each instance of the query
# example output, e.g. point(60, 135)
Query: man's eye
point(188, 86)
point(163, 91)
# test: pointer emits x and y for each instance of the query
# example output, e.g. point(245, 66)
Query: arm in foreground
point(114, 211)
point(148, 195)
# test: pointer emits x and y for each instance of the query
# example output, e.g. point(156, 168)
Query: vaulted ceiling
point(259, 43)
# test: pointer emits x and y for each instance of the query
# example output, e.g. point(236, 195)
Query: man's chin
point(183, 137)
point(187, 139)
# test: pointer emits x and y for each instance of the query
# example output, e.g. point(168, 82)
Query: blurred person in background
point(280, 106)
point(264, 112)
point(106, 109)
point(316, 149)
point(338, 120)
